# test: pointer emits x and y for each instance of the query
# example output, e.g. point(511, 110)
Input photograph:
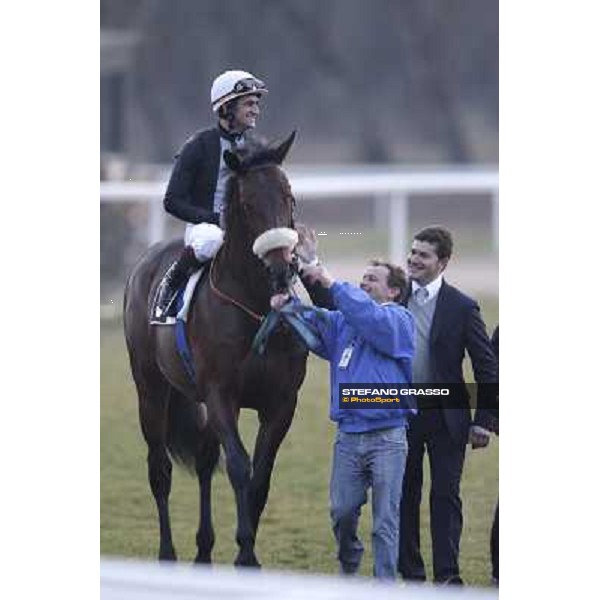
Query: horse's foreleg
point(268, 439)
point(238, 469)
point(223, 419)
point(206, 461)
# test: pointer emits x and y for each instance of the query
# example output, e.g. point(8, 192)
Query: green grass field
point(295, 531)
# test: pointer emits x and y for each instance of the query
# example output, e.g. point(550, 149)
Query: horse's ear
point(232, 161)
point(280, 153)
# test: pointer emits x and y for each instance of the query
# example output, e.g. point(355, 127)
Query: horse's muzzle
point(282, 272)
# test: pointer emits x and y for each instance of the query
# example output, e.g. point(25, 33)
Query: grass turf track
point(295, 531)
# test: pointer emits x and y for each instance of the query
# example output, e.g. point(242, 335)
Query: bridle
point(226, 297)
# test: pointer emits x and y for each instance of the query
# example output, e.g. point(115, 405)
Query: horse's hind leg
point(153, 418)
point(206, 461)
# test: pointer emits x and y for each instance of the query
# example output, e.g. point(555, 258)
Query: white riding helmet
point(233, 84)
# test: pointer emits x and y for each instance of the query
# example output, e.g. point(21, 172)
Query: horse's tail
point(183, 435)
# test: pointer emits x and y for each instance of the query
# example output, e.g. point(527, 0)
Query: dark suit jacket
point(495, 341)
point(191, 189)
point(457, 326)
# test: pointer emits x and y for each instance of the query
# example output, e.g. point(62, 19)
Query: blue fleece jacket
point(382, 339)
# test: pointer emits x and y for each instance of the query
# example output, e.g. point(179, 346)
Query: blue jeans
point(373, 459)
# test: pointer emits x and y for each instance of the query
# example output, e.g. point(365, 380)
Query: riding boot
point(176, 276)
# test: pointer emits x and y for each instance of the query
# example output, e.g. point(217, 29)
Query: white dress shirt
point(433, 288)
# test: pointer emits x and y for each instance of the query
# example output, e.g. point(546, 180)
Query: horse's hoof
point(247, 562)
point(202, 559)
point(167, 555)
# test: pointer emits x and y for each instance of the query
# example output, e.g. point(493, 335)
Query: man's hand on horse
point(278, 300)
point(318, 273)
point(306, 249)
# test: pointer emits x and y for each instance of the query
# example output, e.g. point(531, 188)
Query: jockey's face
point(375, 283)
point(246, 113)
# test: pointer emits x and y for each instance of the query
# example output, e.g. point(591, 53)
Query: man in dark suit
point(447, 323)
point(495, 533)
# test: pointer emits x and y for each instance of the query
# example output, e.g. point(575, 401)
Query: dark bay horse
point(222, 322)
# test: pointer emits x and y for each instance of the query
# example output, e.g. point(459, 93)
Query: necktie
point(421, 295)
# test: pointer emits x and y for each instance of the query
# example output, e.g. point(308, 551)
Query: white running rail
point(133, 580)
point(392, 187)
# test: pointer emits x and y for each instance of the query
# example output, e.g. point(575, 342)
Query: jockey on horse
point(197, 186)
point(190, 416)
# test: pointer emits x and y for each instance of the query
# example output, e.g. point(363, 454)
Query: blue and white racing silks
point(365, 342)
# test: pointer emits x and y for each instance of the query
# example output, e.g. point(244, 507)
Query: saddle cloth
point(182, 302)
point(188, 292)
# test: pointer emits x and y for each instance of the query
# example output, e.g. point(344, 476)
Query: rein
point(227, 298)
point(308, 334)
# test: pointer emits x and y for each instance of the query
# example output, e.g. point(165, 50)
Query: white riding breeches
point(204, 238)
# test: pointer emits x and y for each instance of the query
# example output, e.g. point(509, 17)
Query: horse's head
point(261, 206)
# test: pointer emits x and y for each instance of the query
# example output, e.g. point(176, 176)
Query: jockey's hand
point(278, 300)
point(318, 273)
point(479, 437)
point(306, 249)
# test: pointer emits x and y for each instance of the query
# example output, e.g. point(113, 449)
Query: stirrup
point(160, 315)
point(160, 320)
point(176, 276)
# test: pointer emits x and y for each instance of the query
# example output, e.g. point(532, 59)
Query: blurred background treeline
point(394, 83)
point(367, 81)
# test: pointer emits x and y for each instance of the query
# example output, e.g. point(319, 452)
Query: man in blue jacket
point(368, 339)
